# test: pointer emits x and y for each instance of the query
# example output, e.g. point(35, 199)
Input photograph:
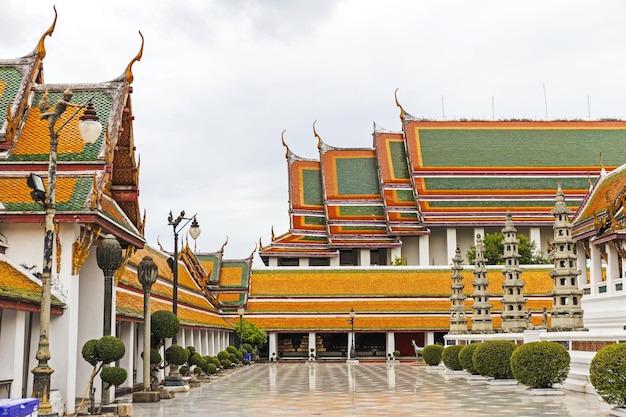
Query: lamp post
point(240, 311)
point(352, 354)
point(147, 272)
point(194, 232)
point(89, 127)
point(109, 257)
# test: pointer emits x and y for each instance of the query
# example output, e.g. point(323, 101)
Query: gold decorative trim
point(129, 68)
point(41, 48)
point(282, 139)
point(395, 95)
point(128, 253)
point(319, 140)
point(11, 128)
point(80, 248)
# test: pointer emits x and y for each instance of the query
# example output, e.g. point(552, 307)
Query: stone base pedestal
point(546, 391)
point(165, 394)
point(352, 361)
point(501, 382)
point(618, 411)
point(178, 388)
point(146, 397)
point(173, 381)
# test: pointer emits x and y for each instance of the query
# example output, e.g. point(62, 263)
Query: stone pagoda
point(514, 316)
point(481, 317)
point(458, 321)
point(567, 313)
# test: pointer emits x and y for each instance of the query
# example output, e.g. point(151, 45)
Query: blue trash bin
point(19, 407)
point(247, 356)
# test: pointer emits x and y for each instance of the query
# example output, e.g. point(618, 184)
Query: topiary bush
point(113, 375)
point(164, 324)
point(176, 355)
point(191, 350)
point(211, 368)
point(109, 349)
point(231, 349)
point(493, 358)
point(450, 357)
point(222, 354)
point(194, 359)
point(248, 347)
point(608, 374)
point(432, 354)
point(465, 357)
point(540, 364)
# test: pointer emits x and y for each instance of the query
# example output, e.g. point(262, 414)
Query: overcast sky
point(220, 80)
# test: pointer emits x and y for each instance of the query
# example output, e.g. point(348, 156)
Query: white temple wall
point(438, 247)
point(410, 250)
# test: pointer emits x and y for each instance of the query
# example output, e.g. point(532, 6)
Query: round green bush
point(608, 374)
point(211, 368)
point(164, 324)
point(222, 354)
point(540, 364)
point(155, 356)
point(239, 355)
point(89, 352)
point(231, 349)
point(176, 355)
point(248, 347)
point(194, 358)
point(465, 357)
point(214, 360)
point(191, 350)
point(184, 370)
point(203, 364)
point(450, 357)
point(493, 358)
point(113, 375)
point(233, 358)
point(245, 362)
point(110, 349)
point(432, 354)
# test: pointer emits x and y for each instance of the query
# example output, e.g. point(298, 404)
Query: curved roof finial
point(129, 68)
point(260, 243)
point(319, 140)
point(273, 237)
point(602, 170)
point(253, 251)
point(224, 245)
point(282, 138)
point(41, 49)
point(395, 94)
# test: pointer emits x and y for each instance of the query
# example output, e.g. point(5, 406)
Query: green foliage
point(450, 357)
point(540, 364)
point(211, 368)
point(191, 350)
point(184, 370)
point(432, 354)
point(89, 352)
point(110, 349)
point(493, 250)
point(164, 324)
point(232, 357)
point(176, 355)
point(245, 362)
point(222, 354)
point(248, 347)
point(493, 358)
point(608, 374)
point(231, 349)
point(465, 357)
point(194, 358)
point(155, 356)
point(252, 334)
point(398, 261)
point(214, 360)
point(203, 364)
point(113, 375)
point(396, 353)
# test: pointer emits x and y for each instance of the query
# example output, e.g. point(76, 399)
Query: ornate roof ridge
point(292, 157)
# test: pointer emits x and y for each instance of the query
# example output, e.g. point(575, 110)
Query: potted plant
point(493, 359)
point(540, 365)
point(432, 354)
point(606, 373)
point(450, 357)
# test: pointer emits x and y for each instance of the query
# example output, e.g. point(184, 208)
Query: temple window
point(288, 262)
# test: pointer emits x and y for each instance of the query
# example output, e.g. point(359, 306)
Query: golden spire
point(319, 140)
point(395, 94)
point(282, 138)
point(272, 233)
point(41, 49)
point(224, 245)
point(129, 71)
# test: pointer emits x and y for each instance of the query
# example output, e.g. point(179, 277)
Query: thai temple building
point(378, 230)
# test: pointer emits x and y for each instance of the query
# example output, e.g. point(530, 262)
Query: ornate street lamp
point(109, 257)
point(352, 354)
point(240, 311)
point(194, 232)
point(42, 372)
point(147, 272)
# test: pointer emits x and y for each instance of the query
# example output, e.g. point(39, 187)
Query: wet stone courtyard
point(364, 389)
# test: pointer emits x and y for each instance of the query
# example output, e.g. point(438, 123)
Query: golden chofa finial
point(41, 48)
point(129, 68)
point(395, 94)
point(282, 138)
point(319, 140)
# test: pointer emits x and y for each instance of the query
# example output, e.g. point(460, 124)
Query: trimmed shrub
point(184, 370)
point(164, 324)
point(396, 353)
point(465, 357)
point(608, 374)
point(245, 362)
point(493, 358)
point(176, 355)
point(194, 358)
point(248, 347)
point(231, 349)
point(113, 375)
point(191, 350)
point(233, 358)
point(214, 360)
point(155, 356)
point(540, 364)
point(89, 352)
point(222, 354)
point(432, 354)
point(203, 364)
point(450, 357)
point(110, 348)
point(211, 368)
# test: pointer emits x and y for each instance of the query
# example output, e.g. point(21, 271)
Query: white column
point(273, 344)
point(350, 337)
point(451, 244)
point(273, 261)
point(303, 261)
point(424, 244)
point(312, 344)
point(430, 338)
point(535, 236)
point(127, 335)
point(138, 358)
point(612, 267)
point(12, 349)
point(581, 260)
point(391, 343)
point(212, 349)
point(207, 343)
point(364, 257)
point(595, 272)
point(394, 253)
point(335, 261)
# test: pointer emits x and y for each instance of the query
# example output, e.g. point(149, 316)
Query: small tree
point(608, 374)
point(465, 358)
point(450, 357)
point(493, 358)
point(252, 334)
point(101, 352)
point(432, 354)
point(540, 364)
point(176, 355)
point(493, 248)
